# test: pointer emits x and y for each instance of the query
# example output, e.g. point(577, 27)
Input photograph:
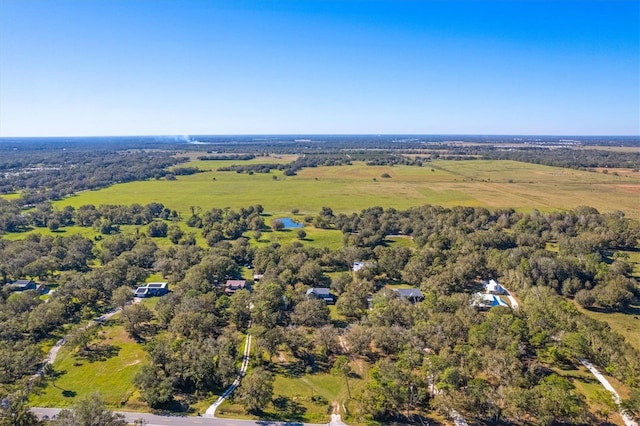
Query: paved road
point(155, 420)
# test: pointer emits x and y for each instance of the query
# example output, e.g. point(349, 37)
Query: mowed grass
point(491, 184)
point(112, 376)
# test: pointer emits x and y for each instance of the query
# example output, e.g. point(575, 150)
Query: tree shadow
point(287, 409)
point(69, 393)
point(98, 352)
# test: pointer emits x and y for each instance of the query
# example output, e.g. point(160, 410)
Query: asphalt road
point(155, 420)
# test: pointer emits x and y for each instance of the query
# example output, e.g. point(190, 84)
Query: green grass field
point(625, 323)
point(117, 360)
point(492, 184)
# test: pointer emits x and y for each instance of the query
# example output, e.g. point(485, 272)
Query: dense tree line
point(50, 175)
point(557, 157)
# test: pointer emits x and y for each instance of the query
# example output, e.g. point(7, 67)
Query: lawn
point(109, 370)
point(491, 184)
point(303, 396)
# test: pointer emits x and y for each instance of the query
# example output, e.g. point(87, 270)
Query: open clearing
point(492, 184)
point(109, 369)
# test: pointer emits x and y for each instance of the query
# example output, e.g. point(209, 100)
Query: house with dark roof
point(152, 289)
point(231, 286)
point(22, 285)
point(413, 295)
point(320, 293)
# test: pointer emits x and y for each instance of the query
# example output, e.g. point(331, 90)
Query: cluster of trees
point(107, 218)
point(50, 175)
point(226, 224)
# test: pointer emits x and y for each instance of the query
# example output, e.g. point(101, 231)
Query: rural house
point(152, 289)
point(22, 285)
point(413, 295)
point(232, 286)
point(320, 293)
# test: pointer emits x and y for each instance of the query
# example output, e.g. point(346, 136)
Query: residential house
point(22, 285)
point(231, 286)
point(320, 293)
point(152, 289)
point(413, 295)
point(492, 287)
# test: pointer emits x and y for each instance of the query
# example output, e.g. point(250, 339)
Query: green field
point(492, 184)
point(625, 323)
point(116, 360)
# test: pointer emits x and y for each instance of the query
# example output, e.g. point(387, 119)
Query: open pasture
point(491, 184)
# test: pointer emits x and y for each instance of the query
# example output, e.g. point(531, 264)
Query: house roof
point(406, 293)
point(142, 290)
point(236, 283)
point(21, 283)
point(156, 285)
point(319, 291)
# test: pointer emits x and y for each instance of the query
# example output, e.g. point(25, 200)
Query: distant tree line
point(42, 176)
point(557, 157)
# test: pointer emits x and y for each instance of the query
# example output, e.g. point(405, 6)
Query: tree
point(155, 388)
point(133, 316)
point(311, 313)
point(277, 224)
point(256, 390)
point(89, 411)
point(342, 368)
point(14, 411)
point(302, 234)
point(121, 296)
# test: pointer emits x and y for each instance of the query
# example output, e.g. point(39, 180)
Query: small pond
point(290, 223)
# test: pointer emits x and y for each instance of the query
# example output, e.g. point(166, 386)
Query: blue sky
point(166, 67)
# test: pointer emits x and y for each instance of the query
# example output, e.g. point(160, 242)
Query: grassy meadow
point(491, 184)
point(109, 369)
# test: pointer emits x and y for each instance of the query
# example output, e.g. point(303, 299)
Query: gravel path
point(628, 421)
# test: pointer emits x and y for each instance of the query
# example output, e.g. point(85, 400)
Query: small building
point(320, 293)
point(357, 266)
point(413, 295)
point(492, 287)
point(231, 286)
point(152, 289)
point(257, 277)
point(22, 285)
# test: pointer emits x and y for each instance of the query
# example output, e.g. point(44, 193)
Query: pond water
point(290, 223)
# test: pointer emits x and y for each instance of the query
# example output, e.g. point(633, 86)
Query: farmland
point(491, 184)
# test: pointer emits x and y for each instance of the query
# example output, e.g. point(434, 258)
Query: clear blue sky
point(166, 67)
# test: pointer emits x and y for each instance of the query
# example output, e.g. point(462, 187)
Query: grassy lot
point(492, 184)
point(625, 323)
point(109, 369)
point(303, 397)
